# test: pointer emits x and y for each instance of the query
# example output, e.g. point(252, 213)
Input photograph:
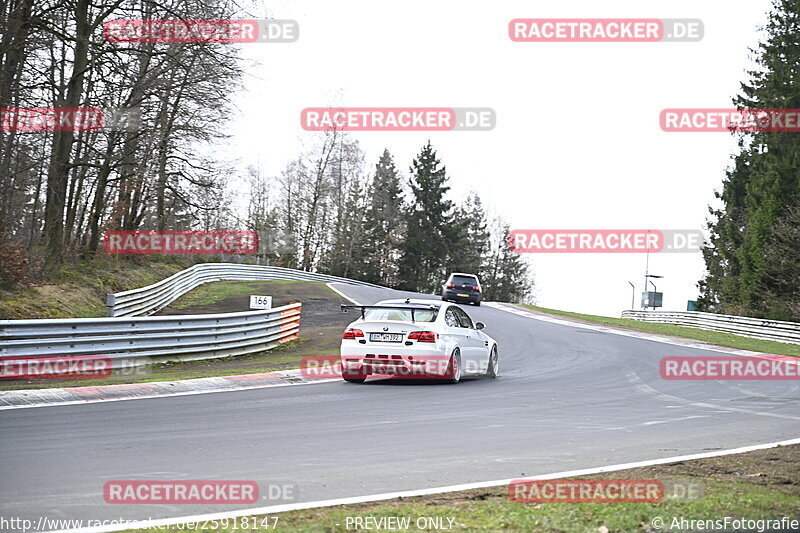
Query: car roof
point(464, 274)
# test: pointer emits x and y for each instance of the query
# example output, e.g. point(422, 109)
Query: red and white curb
point(677, 341)
point(21, 399)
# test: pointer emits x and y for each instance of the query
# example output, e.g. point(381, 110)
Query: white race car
point(416, 339)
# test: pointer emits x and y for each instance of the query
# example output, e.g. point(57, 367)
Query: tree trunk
point(58, 174)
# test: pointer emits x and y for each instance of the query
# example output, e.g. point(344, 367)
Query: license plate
point(464, 295)
point(385, 337)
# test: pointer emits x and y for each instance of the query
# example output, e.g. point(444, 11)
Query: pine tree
point(383, 224)
point(507, 277)
point(720, 288)
point(762, 187)
point(426, 247)
point(469, 237)
point(781, 259)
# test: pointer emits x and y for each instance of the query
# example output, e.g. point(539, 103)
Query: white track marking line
point(647, 389)
point(340, 293)
point(421, 492)
point(667, 421)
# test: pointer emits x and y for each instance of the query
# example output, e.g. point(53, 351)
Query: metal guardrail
point(150, 299)
point(129, 342)
point(757, 328)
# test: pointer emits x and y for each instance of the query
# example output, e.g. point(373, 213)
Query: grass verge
point(212, 293)
point(79, 290)
point(711, 337)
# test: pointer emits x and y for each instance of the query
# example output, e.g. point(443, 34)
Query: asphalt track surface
point(567, 398)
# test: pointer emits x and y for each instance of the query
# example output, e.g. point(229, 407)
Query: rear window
point(465, 279)
point(420, 315)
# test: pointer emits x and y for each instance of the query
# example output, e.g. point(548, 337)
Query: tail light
point(423, 336)
point(351, 334)
point(475, 287)
point(451, 285)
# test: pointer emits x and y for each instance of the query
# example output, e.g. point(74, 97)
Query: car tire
point(454, 368)
point(477, 304)
point(494, 363)
point(444, 299)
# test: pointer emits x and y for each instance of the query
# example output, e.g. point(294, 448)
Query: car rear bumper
point(456, 296)
point(409, 366)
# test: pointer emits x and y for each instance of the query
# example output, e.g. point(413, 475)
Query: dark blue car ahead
point(461, 287)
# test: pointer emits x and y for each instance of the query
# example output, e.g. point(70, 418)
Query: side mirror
point(479, 325)
point(443, 282)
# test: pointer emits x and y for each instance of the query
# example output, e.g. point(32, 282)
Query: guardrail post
point(111, 302)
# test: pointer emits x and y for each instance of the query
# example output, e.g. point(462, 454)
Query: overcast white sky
point(577, 142)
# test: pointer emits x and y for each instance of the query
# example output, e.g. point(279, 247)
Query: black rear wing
point(362, 308)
